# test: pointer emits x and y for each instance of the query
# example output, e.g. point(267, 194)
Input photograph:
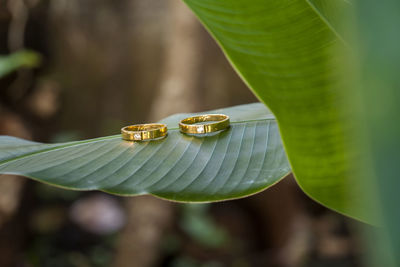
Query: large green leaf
point(23, 58)
point(246, 158)
point(285, 52)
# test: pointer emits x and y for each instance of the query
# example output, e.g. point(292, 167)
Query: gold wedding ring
point(218, 122)
point(143, 132)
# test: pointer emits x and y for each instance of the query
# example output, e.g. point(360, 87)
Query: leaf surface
point(286, 52)
point(245, 159)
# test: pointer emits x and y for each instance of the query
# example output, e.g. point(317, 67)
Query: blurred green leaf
point(199, 225)
point(20, 59)
point(286, 52)
point(379, 94)
point(245, 159)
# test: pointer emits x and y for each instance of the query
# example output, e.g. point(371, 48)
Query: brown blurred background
point(106, 64)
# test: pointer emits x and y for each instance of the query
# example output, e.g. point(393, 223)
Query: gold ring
point(219, 122)
point(142, 132)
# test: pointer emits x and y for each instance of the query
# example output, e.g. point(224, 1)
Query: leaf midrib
point(77, 143)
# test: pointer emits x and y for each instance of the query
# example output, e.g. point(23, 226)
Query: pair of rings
point(145, 132)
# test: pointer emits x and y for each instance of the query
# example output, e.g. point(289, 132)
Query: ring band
point(219, 122)
point(142, 132)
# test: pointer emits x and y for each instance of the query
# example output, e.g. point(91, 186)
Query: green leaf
point(378, 92)
point(12, 62)
point(285, 51)
point(199, 225)
point(245, 159)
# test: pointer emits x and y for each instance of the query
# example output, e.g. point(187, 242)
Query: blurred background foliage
point(100, 65)
point(20, 59)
